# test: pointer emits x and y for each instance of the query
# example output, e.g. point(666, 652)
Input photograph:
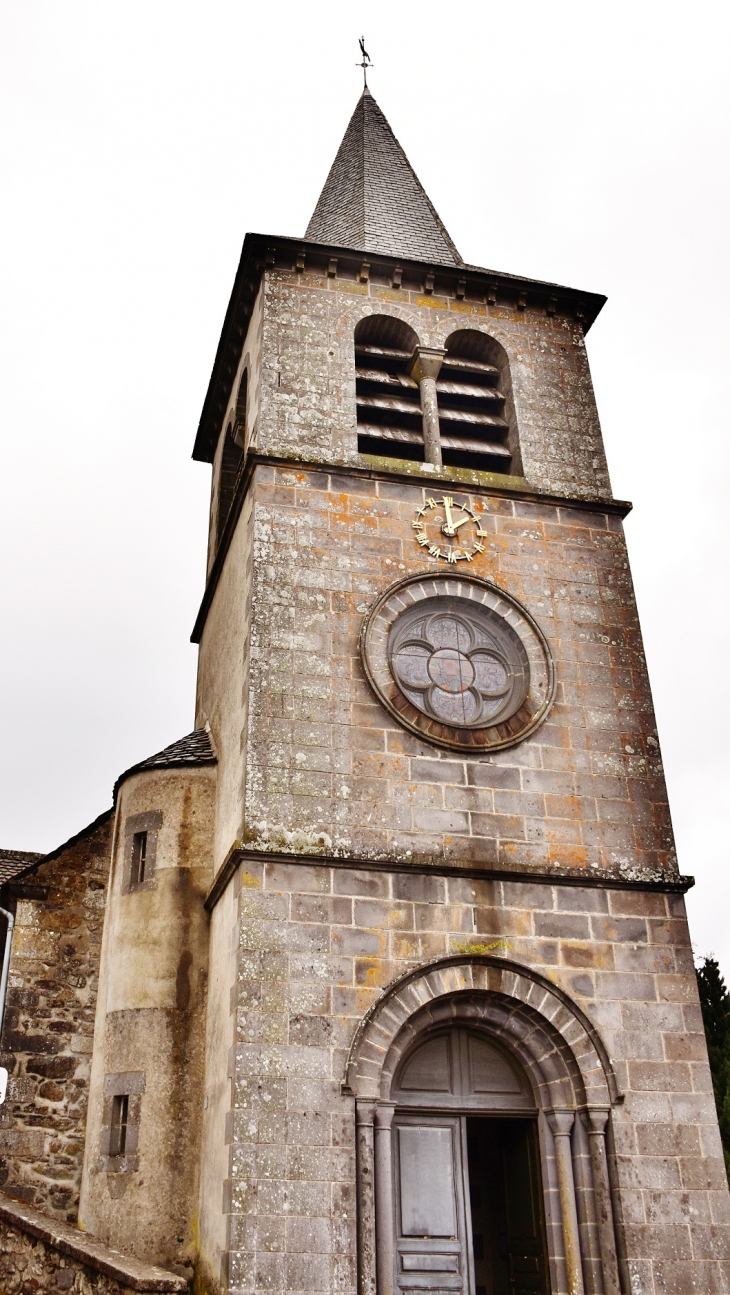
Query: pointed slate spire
point(373, 200)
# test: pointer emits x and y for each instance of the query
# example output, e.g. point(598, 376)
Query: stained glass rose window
point(458, 661)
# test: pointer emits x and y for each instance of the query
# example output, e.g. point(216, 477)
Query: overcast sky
point(583, 143)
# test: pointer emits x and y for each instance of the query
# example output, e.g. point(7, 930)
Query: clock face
point(449, 530)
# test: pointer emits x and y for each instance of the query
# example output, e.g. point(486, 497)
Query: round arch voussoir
point(556, 1042)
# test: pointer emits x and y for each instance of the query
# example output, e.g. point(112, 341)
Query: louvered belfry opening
point(232, 458)
point(388, 400)
point(231, 464)
point(472, 399)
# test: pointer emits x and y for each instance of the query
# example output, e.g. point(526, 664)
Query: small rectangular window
point(139, 857)
point(120, 1118)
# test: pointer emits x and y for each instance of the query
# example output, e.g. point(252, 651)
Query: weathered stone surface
point(49, 1025)
point(306, 405)
point(326, 768)
point(40, 1254)
point(293, 1153)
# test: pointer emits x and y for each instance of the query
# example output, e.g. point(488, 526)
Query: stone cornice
point(463, 283)
point(674, 885)
point(461, 478)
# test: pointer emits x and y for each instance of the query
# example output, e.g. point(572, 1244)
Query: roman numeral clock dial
point(448, 530)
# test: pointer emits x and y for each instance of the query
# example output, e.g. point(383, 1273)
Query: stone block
point(419, 886)
point(566, 926)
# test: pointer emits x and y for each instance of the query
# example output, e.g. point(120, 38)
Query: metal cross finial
point(366, 63)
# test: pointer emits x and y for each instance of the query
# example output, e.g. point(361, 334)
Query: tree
point(715, 1001)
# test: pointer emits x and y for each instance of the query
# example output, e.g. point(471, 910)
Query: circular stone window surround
point(509, 618)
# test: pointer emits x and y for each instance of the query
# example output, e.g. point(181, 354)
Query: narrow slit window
point(139, 857)
point(120, 1119)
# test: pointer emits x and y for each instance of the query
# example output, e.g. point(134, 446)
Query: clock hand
point(452, 527)
point(448, 529)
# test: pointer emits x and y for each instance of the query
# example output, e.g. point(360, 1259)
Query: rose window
point(457, 663)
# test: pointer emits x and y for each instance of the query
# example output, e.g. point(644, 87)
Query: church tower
point(396, 994)
point(449, 956)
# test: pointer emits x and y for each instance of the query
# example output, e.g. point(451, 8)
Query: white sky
point(585, 143)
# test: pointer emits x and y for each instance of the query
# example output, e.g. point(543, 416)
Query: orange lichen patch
point(372, 971)
point(569, 856)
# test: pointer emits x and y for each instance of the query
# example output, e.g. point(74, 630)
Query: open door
point(432, 1222)
point(508, 1236)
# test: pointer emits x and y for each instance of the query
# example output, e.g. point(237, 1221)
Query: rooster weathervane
point(366, 62)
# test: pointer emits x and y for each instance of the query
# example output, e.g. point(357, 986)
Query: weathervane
point(365, 61)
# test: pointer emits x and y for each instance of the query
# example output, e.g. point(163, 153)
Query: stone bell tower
point(453, 1034)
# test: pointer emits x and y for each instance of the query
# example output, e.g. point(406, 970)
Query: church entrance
point(506, 1209)
point(468, 1191)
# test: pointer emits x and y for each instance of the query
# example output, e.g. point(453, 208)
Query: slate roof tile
point(373, 200)
point(13, 862)
point(194, 749)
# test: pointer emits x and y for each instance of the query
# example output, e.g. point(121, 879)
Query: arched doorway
point(466, 1172)
point(558, 1061)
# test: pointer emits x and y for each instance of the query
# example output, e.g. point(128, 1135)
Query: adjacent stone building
point(379, 982)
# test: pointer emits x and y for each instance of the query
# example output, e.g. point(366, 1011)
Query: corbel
point(580, 312)
point(552, 305)
point(332, 268)
point(397, 279)
point(522, 301)
point(271, 256)
point(299, 265)
point(365, 272)
point(429, 282)
point(461, 289)
point(492, 292)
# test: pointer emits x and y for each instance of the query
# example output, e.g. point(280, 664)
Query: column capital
point(426, 362)
point(595, 1119)
point(364, 1112)
point(561, 1120)
point(384, 1113)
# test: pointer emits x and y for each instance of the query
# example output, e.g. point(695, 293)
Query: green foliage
point(715, 1001)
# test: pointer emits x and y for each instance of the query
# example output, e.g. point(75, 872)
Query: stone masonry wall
point(307, 402)
point(49, 1025)
point(329, 769)
point(39, 1254)
point(316, 946)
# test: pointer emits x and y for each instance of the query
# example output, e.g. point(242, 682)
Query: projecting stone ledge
point(42, 1254)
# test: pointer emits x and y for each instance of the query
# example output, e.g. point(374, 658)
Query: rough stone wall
point(307, 403)
point(27, 1264)
point(315, 947)
point(38, 1254)
point(49, 1026)
point(328, 769)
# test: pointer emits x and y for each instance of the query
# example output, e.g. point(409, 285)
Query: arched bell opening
point(389, 419)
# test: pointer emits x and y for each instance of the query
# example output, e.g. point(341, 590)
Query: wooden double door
point(468, 1206)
